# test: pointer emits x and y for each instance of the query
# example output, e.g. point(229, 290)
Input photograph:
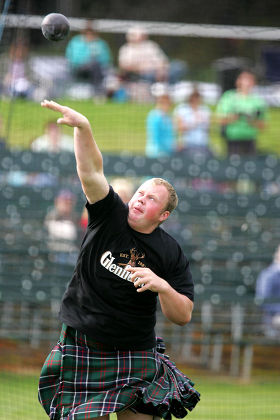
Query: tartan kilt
point(81, 379)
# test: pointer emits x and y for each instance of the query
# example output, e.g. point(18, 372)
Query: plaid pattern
point(82, 379)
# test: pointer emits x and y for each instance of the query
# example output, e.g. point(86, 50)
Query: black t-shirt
point(100, 300)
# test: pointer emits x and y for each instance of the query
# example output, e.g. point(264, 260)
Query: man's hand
point(70, 117)
point(145, 279)
point(175, 306)
point(88, 156)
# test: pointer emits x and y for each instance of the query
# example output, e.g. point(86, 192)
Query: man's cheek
point(151, 213)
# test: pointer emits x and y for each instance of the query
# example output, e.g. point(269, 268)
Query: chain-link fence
point(226, 220)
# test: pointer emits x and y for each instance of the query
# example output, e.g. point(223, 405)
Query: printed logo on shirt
point(134, 258)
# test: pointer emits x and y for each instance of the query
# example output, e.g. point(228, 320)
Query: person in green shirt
point(242, 115)
point(89, 57)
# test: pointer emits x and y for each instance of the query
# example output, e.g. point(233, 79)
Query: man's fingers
point(140, 270)
point(132, 269)
point(52, 105)
point(142, 289)
point(138, 281)
point(134, 272)
point(140, 284)
point(141, 278)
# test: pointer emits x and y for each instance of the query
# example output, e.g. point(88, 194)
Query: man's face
point(147, 207)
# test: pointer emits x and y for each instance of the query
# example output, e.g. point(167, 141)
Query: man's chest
point(115, 253)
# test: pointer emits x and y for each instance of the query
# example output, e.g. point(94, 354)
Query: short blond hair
point(172, 201)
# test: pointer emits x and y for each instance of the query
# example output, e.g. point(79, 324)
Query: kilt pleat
point(82, 379)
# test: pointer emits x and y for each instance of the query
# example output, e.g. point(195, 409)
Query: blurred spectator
point(62, 226)
point(116, 89)
point(84, 219)
point(123, 186)
point(16, 82)
point(192, 121)
point(54, 140)
point(242, 115)
point(268, 292)
point(2, 136)
point(89, 57)
point(143, 59)
point(160, 130)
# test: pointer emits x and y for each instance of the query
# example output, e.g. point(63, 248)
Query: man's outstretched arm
point(88, 156)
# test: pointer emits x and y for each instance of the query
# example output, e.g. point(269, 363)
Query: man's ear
point(164, 216)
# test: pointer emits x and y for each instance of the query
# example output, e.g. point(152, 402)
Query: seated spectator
point(62, 227)
point(89, 57)
point(143, 59)
point(53, 141)
point(241, 114)
point(116, 89)
point(2, 135)
point(192, 121)
point(84, 219)
point(268, 292)
point(16, 81)
point(160, 130)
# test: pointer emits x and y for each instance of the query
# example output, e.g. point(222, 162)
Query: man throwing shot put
point(107, 358)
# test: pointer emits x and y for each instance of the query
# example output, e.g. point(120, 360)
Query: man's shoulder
point(104, 208)
point(168, 240)
point(171, 251)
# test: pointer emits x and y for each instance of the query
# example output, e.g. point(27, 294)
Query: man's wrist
point(165, 287)
point(84, 124)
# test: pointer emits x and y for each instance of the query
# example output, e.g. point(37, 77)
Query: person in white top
point(192, 121)
point(54, 140)
point(141, 58)
point(16, 82)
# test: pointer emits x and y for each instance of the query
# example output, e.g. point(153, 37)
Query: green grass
point(221, 399)
point(117, 127)
point(225, 400)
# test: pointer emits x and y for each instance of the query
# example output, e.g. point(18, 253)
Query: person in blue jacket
point(268, 294)
point(89, 57)
point(160, 130)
